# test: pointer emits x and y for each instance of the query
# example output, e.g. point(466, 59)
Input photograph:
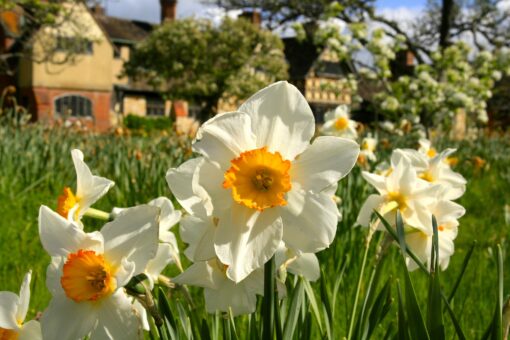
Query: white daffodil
point(447, 214)
point(402, 189)
point(221, 293)
point(425, 147)
point(435, 170)
point(89, 189)
point(338, 122)
point(263, 181)
point(88, 271)
point(13, 310)
point(368, 145)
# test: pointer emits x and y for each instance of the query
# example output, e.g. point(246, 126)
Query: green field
point(35, 165)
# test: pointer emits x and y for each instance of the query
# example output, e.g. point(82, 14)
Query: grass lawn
point(36, 165)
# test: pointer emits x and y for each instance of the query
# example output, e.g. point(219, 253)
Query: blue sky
point(148, 10)
point(397, 3)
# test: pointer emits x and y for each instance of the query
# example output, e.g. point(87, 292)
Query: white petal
point(117, 319)
point(65, 319)
point(125, 272)
point(246, 239)
point(160, 261)
point(142, 315)
point(184, 185)
point(210, 178)
point(199, 235)
point(168, 215)
point(230, 296)
point(222, 138)
point(309, 221)
point(132, 235)
point(324, 163)
point(367, 209)
point(53, 274)
point(417, 159)
point(8, 309)
point(201, 274)
point(60, 237)
point(377, 181)
point(306, 265)
point(30, 331)
point(281, 119)
point(24, 298)
point(90, 188)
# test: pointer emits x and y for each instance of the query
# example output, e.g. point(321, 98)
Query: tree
point(22, 20)
point(483, 22)
point(196, 61)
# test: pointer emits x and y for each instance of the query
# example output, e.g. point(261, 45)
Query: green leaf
point(268, 301)
point(296, 300)
point(434, 308)
point(417, 327)
point(403, 333)
point(313, 304)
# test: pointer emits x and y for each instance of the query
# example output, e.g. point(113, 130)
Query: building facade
point(88, 88)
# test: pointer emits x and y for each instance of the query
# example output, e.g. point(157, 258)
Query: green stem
point(358, 287)
point(99, 214)
point(268, 303)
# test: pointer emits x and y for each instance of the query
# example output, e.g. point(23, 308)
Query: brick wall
point(41, 101)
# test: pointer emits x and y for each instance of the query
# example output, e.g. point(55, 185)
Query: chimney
point(253, 16)
point(168, 10)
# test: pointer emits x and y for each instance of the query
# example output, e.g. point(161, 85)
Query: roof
point(124, 30)
point(300, 55)
point(304, 56)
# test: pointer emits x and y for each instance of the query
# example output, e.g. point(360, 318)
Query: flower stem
point(358, 287)
point(99, 214)
point(268, 303)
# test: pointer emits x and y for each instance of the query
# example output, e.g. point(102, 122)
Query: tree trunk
point(446, 23)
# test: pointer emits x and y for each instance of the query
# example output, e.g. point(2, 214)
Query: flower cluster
point(419, 183)
point(259, 186)
point(89, 272)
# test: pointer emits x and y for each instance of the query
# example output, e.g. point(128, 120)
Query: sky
point(148, 10)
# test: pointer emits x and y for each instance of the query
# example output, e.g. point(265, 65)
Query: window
point(73, 106)
point(155, 106)
point(77, 45)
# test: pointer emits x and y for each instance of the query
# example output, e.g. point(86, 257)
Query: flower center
point(341, 123)
point(431, 152)
point(66, 201)
point(427, 176)
point(8, 334)
point(87, 276)
point(399, 199)
point(259, 179)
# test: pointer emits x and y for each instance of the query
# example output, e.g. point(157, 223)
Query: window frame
point(81, 103)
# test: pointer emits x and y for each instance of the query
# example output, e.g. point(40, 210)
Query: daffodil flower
point(221, 293)
point(89, 189)
point(402, 189)
point(435, 170)
point(262, 180)
point(447, 214)
point(13, 310)
point(425, 147)
point(89, 270)
point(339, 123)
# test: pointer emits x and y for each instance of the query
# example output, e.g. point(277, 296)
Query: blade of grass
point(268, 301)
